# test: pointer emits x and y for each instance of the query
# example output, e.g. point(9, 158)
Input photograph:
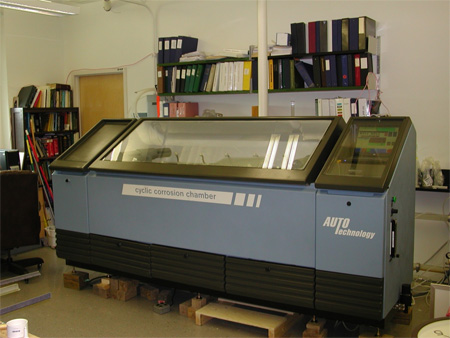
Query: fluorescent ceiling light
point(40, 7)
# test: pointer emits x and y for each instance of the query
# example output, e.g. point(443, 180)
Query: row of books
point(51, 122)
point(346, 107)
point(54, 95)
point(53, 145)
point(170, 49)
point(345, 34)
point(211, 77)
point(344, 70)
point(178, 109)
point(47, 173)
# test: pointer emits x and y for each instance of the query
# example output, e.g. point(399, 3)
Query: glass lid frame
point(83, 152)
point(366, 154)
point(291, 149)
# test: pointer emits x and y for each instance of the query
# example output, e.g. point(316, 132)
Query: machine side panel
point(398, 269)
point(74, 246)
point(122, 255)
point(272, 282)
point(350, 232)
point(350, 295)
point(70, 201)
point(263, 222)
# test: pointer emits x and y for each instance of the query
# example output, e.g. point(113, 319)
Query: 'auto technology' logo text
point(342, 228)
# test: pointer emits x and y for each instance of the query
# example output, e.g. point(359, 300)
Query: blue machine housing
point(293, 240)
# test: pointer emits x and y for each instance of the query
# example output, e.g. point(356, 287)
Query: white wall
point(414, 51)
point(34, 46)
point(414, 56)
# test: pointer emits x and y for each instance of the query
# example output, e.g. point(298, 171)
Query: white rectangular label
point(193, 195)
point(364, 63)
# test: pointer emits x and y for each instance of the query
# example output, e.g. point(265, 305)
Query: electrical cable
point(350, 330)
point(444, 214)
point(109, 68)
point(173, 296)
point(438, 250)
point(90, 281)
point(377, 88)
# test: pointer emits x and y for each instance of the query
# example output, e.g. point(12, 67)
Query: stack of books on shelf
point(328, 71)
point(337, 35)
point(178, 109)
point(342, 70)
point(318, 54)
point(45, 130)
point(51, 145)
point(54, 95)
point(283, 75)
point(346, 107)
point(51, 122)
point(170, 49)
point(207, 77)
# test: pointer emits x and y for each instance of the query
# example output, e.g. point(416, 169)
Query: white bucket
point(51, 236)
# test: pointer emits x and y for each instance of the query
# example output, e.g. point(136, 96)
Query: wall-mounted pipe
point(429, 268)
point(263, 78)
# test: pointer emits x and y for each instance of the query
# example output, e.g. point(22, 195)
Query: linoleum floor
point(73, 313)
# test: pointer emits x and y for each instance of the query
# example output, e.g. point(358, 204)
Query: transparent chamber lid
point(284, 145)
point(91, 145)
point(272, 144)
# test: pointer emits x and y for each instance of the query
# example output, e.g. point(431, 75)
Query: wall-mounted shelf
point(445, 188)
point(428, 216)
point(329, 71)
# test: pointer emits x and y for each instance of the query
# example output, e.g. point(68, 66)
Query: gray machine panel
point(352, 227)
point(320, 240)
point(71, 208)
point(270, 223)
point(371, 234)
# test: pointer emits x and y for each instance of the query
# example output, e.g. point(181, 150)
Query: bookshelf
point(283, 75)
point(51, 131)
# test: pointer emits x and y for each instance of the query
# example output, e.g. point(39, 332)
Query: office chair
point(20, 224)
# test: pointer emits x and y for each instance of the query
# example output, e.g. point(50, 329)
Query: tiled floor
point(72, 313)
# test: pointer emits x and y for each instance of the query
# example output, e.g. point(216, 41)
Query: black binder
point(26, 96)
point(306, 72)
point(185, 44)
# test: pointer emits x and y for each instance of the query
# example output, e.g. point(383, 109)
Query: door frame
point(105, 71)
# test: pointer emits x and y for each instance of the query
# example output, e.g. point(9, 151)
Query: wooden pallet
point(277, 325)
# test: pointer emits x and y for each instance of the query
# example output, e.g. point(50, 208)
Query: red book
point(55, 146)
point(158, 108)
point(312, 37)
point(173, 109)
point(187, 109)
point(35, 103)
point(49, 147)
point(357, 70)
